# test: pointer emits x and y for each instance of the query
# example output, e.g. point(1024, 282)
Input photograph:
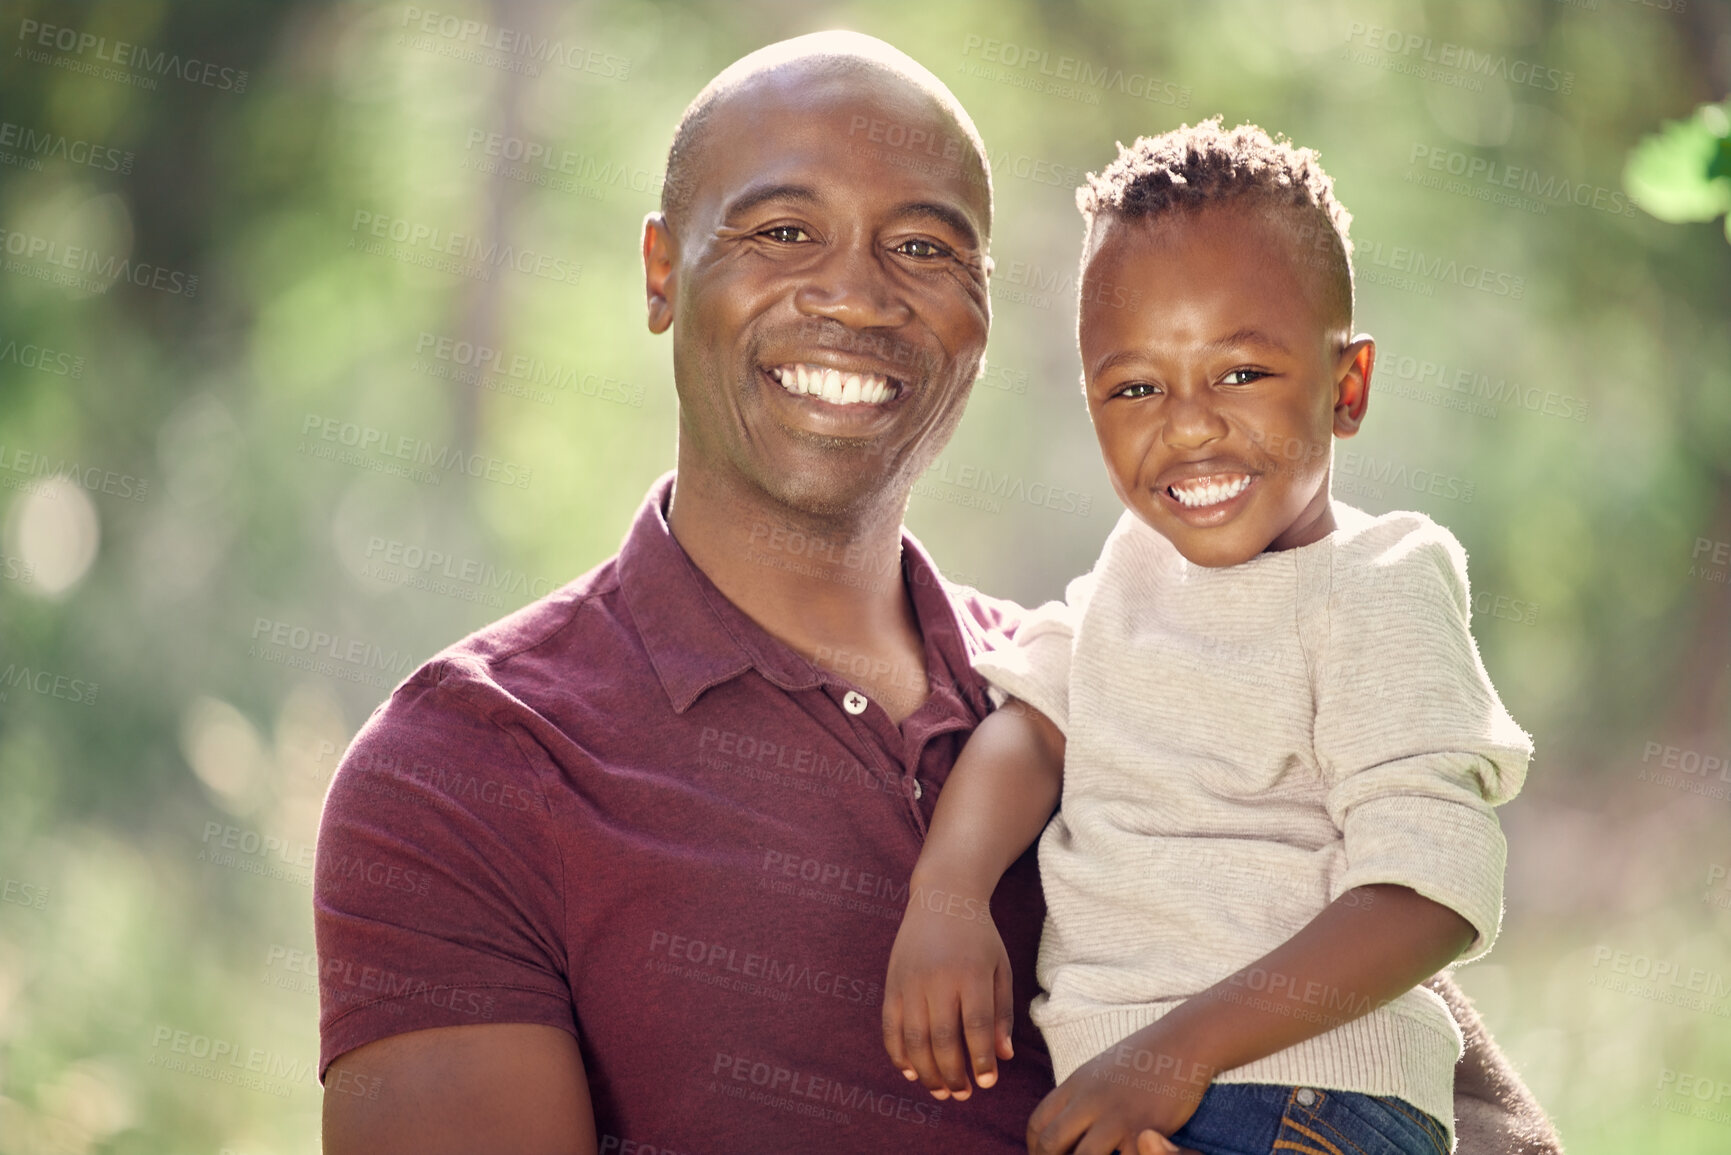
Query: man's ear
point(659, 259)
point(1352, 384)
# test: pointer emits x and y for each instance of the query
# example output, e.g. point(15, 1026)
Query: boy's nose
point(1192, 422)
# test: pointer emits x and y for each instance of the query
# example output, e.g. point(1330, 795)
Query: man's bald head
point(819, 57)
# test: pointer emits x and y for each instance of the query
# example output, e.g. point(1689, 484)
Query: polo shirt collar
point(697, 639)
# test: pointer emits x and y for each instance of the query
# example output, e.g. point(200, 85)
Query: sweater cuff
point(1448, 852)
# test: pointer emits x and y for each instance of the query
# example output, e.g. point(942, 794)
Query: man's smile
point(836, 386)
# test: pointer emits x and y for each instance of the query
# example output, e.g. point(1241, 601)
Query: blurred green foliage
point(1554, 385)
point(1682, 173)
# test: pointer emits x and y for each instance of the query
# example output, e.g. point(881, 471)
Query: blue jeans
point(1260, 1118)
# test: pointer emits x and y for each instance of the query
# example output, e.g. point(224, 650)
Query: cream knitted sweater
point(1244, 745)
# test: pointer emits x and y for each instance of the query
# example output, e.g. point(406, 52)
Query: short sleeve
point(1035, 665)
point(1415, 745)
point(437, 893)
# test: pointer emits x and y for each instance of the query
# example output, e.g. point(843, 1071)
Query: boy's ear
point(1352, 384)
point(660, 257)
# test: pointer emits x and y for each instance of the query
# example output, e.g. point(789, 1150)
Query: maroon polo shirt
point(628, 812)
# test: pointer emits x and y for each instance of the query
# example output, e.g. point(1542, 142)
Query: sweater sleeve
point(1415, 744)
point(1035, 666)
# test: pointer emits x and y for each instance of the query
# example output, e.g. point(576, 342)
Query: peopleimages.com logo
point(1447, 62)
point(1037, 70)
point(33, 146)
point(136, 64)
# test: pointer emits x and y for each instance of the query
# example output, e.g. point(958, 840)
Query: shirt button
point(855, 702)
point(919, 791)
point(1306, 1097)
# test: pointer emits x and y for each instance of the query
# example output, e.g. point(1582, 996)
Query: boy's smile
point(1216, 394)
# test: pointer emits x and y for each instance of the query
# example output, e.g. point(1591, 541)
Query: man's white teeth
point(1208, 490)
point(833, 385)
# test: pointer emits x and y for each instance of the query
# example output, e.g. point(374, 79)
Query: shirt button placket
point(855, 704)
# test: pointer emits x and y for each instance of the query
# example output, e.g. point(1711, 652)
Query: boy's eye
point(1137, 389)
point(786, 234)
point(1242, 376)
point(922, 248)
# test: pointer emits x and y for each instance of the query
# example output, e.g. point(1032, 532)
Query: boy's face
point(1216, 392)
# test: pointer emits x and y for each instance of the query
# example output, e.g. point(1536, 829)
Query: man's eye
point(786, 234)
point(922, 249)
point(1243, 376)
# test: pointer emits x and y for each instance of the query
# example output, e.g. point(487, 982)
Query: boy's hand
point(1128, 1098)
point(947, 998)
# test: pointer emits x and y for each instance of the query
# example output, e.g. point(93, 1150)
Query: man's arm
point(502, 1088)
point(1495, 1114)
point(441, 890)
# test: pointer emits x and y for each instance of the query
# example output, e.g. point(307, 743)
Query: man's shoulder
point(560, 621)
point(480, 702)
point(582, 624)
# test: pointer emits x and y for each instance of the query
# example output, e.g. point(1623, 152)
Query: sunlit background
point(322, 344)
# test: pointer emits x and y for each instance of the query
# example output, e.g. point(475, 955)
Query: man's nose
point(1192, 419)
point(852, 284)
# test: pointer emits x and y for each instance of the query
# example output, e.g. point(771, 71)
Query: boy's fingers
point(1154, 1143)
point(1045, 1113)
point(980, 1029)
point(1102, 1139)
point(917, 1046)
point(948, 1045)
point(1004, 995)
point(1058, 1132)
point(892, 1026)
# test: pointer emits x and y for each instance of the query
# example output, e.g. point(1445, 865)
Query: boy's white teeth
point(1209, 490)
point(833, 385)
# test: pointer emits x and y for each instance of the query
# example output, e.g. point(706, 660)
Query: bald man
point(620, 873)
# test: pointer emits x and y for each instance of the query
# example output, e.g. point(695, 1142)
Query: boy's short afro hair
point(1204, 164)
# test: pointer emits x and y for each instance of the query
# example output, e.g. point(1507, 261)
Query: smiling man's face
point(1216, 393)
point(826, 289)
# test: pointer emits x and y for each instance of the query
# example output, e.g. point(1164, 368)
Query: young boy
point(1277, 747)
